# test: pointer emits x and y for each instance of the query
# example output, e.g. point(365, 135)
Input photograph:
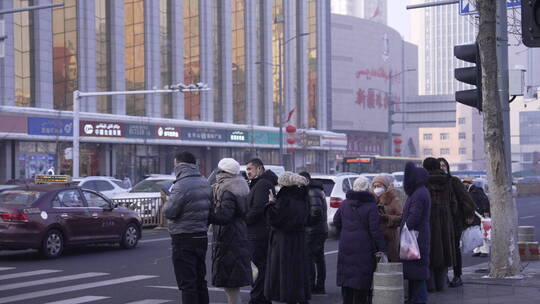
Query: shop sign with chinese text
point(102, 129)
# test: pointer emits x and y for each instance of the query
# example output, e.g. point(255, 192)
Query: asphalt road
point(107, 274)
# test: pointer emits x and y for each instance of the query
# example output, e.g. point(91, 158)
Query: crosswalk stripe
point(209, 288)
point(79, 300)
point(55, 291)
point(6, 268)
point(150, 301)
point(27, 274)
point(52, 280)
point(155, 240)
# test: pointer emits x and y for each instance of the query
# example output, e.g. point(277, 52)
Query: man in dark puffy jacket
point(187, 213)
point(261, 183)
point(316, 234)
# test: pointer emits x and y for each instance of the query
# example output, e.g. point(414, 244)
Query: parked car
point(50, 217)
point(398, 179)
point(335, 187)
point(106, 185)
point(150, 187)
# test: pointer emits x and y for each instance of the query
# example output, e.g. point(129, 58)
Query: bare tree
point(505, 261)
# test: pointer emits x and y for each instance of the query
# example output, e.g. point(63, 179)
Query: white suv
point(106, 185)
point(335, 187)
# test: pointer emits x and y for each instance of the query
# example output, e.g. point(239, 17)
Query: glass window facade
point(312, 64)
point(259, 10)
point(134, 55)
point(65, 54)
point(217, 11)
point(103, 61)
point(23, 38)
point(239, 61)
point(165, 49)
point(192, 71)
point(277, 36)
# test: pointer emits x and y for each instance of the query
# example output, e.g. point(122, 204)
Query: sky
point(398, 17)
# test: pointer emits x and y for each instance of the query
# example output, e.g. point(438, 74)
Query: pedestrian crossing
point(37, 286)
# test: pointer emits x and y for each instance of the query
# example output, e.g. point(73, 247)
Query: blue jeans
point(418, 292)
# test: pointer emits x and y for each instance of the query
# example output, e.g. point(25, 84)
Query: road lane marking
point(209, 288)
point(330, 252)
point(527, 217)
point(79, 300)
point(150, 301)
point(6, 268)
point(55, 291)
point(155, 240)
point(52, 280)
point(27, 274)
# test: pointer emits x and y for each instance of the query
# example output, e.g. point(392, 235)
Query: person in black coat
point(231, 259)
point(287, 272)
point(360, 242)
point(261, 183)
point(416, 214)
point(316, 234)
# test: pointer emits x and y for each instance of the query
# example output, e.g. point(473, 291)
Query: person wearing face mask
point(390, 211)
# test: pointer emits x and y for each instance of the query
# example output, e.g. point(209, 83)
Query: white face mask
point(378, 191)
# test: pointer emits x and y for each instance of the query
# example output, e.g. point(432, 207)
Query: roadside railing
point(148, 208)
point(525, 189)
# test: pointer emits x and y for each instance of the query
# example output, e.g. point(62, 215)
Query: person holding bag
point(360, 242)
point(416, 213)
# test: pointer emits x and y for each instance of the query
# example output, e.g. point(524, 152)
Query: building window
point(23, 38)
point(462, 151)
point(192, 64)
point(445, 151)
point(134, 56)
point(277, 35)
point(462, 135)
point(445, 136)
point(65, 74)
point(461, 120)
point(239, 61)
point(527, 157)
point(428, 136)
point(312, 64)
point(428, 152)
point(218, 69)
point(103, 63)
point(165, 49)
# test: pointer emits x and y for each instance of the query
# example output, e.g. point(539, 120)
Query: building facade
point(374, 10)
point(233, 46)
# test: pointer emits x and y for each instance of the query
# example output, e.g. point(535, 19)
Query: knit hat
point(361, 184)
point(229, 165)
point(288, 179)
point(382, 179)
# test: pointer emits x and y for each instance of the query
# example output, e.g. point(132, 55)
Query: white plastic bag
point(408, 247)
point(471, 238)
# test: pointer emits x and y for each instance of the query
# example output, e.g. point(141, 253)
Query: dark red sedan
point(50, 217)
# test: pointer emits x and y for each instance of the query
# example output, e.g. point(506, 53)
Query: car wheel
point(53, 244)
point(130, 237)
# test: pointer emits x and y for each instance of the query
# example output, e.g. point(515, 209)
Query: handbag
point(408, 245)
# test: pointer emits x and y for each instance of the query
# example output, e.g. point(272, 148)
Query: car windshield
point(327, 184)
point(120, 184)
point(19, 197)
point(155, 185)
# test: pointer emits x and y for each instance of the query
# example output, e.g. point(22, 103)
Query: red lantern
point(397, 149)
point(397, 140)
point(291, 141)
point(290, 149)
point(290, 129)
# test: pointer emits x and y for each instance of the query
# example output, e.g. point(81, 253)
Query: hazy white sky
point(398, 16)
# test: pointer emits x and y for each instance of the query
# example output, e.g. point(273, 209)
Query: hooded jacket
point(258, 197)
point(317, 223)
point(189, 204)
point(416, 215)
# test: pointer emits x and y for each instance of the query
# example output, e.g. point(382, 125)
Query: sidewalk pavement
point(477, 289)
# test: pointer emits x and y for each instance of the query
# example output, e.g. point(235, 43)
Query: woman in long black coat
point(361, 240)
point(287, 270)
point(231, 266)
point(416, 213)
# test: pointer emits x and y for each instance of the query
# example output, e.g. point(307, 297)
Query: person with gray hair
point(287, 271)
point(360, 242)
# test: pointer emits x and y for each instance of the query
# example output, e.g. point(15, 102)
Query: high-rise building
point(374, 10)
point(231, 45)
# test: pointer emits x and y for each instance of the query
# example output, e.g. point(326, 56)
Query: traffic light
point(470, 75)
point(530, 22)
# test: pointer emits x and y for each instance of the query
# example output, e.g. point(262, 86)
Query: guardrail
point(524, 189)
point(148, 208)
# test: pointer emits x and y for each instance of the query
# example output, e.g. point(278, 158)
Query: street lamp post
point(77, 95)
point(390, 107)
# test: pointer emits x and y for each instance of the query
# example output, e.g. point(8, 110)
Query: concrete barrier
point(526, 234)
point(388, 283)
